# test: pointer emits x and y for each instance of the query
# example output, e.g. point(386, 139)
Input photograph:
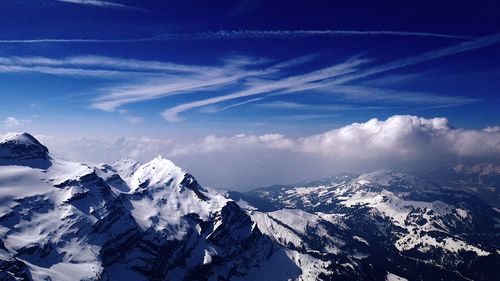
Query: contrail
point(100, 3)
point(292, 34)
point(241, 34)
point(71, 40)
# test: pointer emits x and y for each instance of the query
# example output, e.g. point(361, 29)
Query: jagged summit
point(159, 172)
point(149, 221)
point(25, 150)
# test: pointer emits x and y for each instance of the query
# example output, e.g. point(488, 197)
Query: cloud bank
point(403, 137)
point(400, 142)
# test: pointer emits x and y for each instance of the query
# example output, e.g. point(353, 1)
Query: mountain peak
point(381, 177)
point(21, 138)
point(391, 178)
point(157, 172)
point(159, 157)
point(23, 149)
point(160, 160)
point(165, 164)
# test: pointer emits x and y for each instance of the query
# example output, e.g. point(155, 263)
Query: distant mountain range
point(61, 220)
point(481, 180)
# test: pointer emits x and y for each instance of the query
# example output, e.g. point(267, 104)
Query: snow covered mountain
point(482, 180)
point(380, 225)
point(61, 220)
point(127, 221)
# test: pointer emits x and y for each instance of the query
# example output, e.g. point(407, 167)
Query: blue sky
point(184, 70)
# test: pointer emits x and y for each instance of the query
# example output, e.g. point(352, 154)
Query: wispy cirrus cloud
point(94, 66)
point(389, 96)
point(304, 117)
point(171, 114)
point(427, 56)
point(266, 86)
point(196, 78)
point(239, 79)
point(288, 105)
point(63, 71)
point(147, 80)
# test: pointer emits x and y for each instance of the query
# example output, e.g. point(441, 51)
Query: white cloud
point(403, 136)
point(400, 142)
point(44, 138)
point(398, 136)
point(492, 129)
point(96, 150)
point(10, 122)
point(214, 143)
point(407, 143)
point(134, 120)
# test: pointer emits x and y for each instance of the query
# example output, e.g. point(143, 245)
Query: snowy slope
point(401, 223)
point(152, 221)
